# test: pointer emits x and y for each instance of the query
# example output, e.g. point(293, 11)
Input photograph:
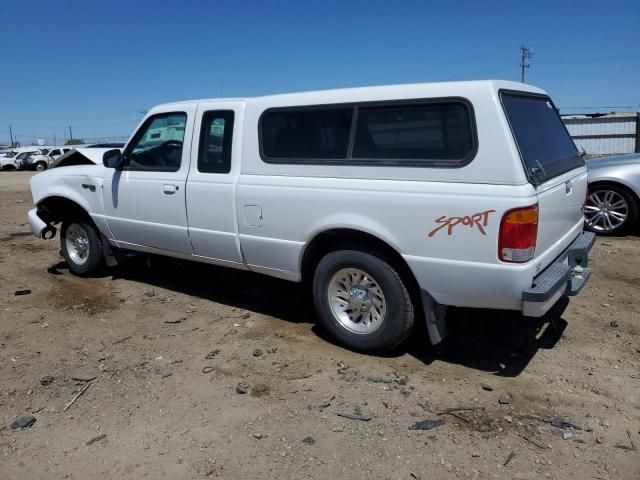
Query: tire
point(343, 312)
point(40, 166)
point(81, 247)
point(609, 209)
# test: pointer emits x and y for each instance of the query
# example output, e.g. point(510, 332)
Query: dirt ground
point(169, 342)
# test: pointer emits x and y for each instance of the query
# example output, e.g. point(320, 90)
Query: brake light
point(518, 233)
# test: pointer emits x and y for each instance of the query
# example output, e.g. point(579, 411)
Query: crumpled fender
point(81, 184)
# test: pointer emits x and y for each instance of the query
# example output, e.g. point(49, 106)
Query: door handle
point(170, 189)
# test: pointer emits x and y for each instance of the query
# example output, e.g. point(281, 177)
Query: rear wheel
point(362, 301)
point(81, 246)
point(609, 209)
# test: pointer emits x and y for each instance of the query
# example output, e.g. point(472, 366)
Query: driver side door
point(145, 200)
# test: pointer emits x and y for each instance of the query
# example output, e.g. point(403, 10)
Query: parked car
point(390, 202)
point(613, 200)
point(15, 162)
point(44, 160)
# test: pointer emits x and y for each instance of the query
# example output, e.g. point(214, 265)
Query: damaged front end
point(41, 228)
point(80, 156)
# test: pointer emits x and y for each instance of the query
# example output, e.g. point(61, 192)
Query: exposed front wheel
point(362, 301)
point(81, 247)
point(40, 166)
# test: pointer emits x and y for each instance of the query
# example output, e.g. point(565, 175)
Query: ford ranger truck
point(391, 202)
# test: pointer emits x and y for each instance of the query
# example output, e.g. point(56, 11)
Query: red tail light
point(518, 233)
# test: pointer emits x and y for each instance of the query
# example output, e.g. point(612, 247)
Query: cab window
point(157, 146)
point(214, 155)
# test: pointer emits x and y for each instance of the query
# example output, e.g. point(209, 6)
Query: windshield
point(544, 143)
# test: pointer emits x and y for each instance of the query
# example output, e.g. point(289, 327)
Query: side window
point(321, 133)
point(216, 133)
point(157, 145)
point(439, 132)
point(436, 133)
point(54, 152)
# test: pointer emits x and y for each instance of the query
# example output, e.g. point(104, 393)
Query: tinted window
point(545, 145)
point(433, 133)
point(215, 142)
point(54, 152)
point(320, 133)
point(439, 132)
point(157, 146)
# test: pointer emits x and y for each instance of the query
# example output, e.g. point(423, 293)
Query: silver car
point(613, 199)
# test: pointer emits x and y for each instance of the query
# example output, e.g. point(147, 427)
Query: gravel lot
point(171, 344)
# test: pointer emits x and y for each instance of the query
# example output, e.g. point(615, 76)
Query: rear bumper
point(567, 275)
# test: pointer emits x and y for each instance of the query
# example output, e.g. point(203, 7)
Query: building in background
point(605, 134)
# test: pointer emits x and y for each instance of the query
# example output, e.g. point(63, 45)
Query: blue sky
point(95, 65)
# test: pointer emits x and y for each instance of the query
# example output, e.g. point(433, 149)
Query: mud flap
point(435, 316)
point(112, 256)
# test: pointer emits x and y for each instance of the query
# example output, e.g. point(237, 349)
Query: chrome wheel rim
point(77, 242)
point(356, 301)
point(605, 210)
point(39, 167)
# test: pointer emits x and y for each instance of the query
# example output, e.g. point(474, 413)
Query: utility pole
point(64, 132)
point(11, 135)
point(55, 142)
point(70, 135)
point(525, 54)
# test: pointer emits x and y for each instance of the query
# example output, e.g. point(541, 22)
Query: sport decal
point(479, 220)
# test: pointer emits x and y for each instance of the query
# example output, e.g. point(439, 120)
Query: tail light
point(518, 233)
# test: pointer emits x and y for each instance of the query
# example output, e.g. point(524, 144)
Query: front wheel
point(362, 301)
point(40, 166)
point(609, 210)
point(81, 247)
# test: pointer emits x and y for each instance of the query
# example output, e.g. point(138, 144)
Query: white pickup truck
point(391, 202)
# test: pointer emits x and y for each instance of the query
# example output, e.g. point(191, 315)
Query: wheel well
point(57, 209)
point(621, 186)
point(344, 238)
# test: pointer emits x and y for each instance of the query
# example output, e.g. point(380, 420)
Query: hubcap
point(356, 300)
point(77, 242)
point(605, 210)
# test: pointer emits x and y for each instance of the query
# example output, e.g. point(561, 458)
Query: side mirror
point(113, 159)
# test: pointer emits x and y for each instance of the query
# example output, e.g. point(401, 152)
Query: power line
point(592, 59)
point(504, 67)
point(60, 127)
point(597, 108)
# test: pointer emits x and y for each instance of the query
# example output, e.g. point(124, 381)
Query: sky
point(97, 66)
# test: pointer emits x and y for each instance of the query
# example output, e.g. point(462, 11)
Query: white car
point(15, 162)
point(391, 202)
point(44, 160)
